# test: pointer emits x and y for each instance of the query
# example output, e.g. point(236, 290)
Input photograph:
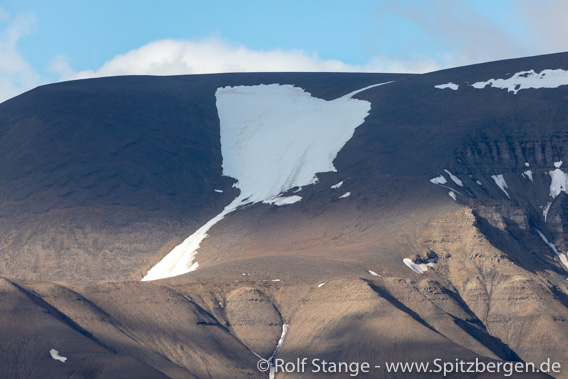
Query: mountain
point(190, 226)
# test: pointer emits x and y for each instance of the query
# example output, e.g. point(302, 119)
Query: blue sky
point(47, 41)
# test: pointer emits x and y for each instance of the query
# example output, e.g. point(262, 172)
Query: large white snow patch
point(273, 138)
point(276, 137)
point(528, 79)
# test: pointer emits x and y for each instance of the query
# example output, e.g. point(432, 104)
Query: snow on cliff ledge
point(273, 138)
point(528, 79)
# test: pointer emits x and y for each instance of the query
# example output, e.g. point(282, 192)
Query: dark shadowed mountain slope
point(441, 234)
point(101, 177)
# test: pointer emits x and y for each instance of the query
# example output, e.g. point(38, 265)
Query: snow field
point(273, 138)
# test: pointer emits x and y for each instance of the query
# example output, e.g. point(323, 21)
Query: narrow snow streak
point(351, 94)
point(336, 186)
point(528, 79)
point(500, 181)
point(278, 346)
point(545, 210)
point(551, 245)
point(279, 201)
point(455, 179)
point(449, 85)
point(273, 138)
point(55, 355)
point(346, 194)
point(440, 181)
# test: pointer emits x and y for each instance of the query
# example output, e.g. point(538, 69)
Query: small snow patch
point(453, 195)
point(449, 85)
point(373, 273)
point(439, 180)
point(500, 181)
point(528, 174)
point(346, 194)
point(55, 355)
point(413, 266)
point(558, 164)
point(455, 179)
point(336, 186)
point(275, 280)
point(558, 183)
point(321, 285)
point(527, 164)
point(479, 183)
point(219, 191)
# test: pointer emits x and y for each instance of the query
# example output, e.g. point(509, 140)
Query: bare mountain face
point(436, 232)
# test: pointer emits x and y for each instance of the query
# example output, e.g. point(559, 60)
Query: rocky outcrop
point(254, 320)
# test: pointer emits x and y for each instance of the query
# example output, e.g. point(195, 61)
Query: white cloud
point(3, 14)
point(546, 21)
point(213, 55)
point(449, 34)
point(454, 33)
point(16, 75)
point(416, 65)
